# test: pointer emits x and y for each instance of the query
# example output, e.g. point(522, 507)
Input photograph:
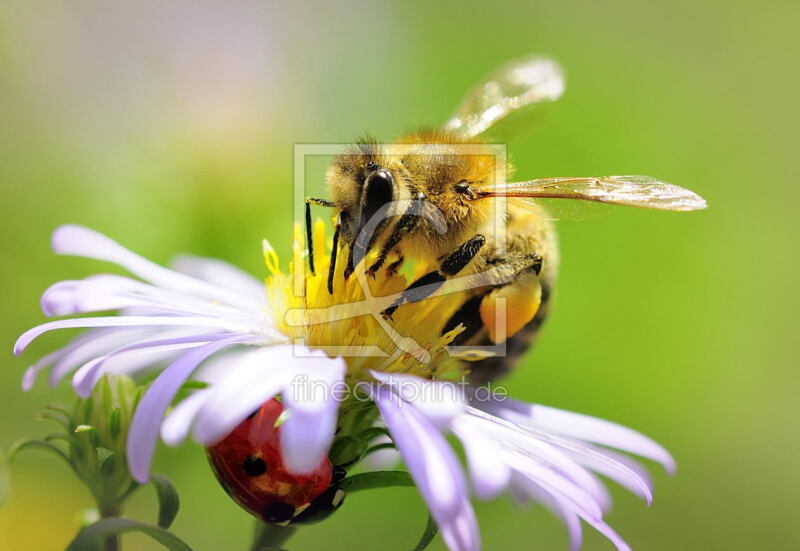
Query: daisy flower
point(337, 367)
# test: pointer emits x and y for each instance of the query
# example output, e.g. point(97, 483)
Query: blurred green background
point(170, 125)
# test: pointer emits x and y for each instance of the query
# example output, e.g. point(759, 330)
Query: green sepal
point(374, 480)
point(41, 444)
point(347, 450)
point(55, 415)
point(379, 447)
point(93, 536)
point(372, 433)
point(168, 500)
point(427, 536)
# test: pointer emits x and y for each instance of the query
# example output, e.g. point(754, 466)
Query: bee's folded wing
point(634, 191)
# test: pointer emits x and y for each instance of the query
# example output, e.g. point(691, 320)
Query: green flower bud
point(98, 440)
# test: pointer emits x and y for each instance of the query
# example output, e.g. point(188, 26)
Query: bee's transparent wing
point(507, 89)
point(634, 191)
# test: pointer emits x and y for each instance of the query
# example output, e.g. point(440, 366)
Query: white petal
point(515, 440)
point(312, 398)
point(439, 401)
point(94, 343)
point(489, 473)
point(176, 426)
point(254, 377)
point(461, 532)
point(128, 321)
point(222, 274)
point(559, 507)
point(583, 427)
point(81, 241)
point(430, 460)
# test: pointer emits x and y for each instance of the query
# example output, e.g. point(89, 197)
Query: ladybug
point(249, 466)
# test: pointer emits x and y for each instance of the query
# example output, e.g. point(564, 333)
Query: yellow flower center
point(349, 322)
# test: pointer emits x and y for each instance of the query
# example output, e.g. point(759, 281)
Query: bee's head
point(362, 182)
point(425, 166)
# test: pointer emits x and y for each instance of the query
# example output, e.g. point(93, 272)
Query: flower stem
point(112, 542)
point(269, 537)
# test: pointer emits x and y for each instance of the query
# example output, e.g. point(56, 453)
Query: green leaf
point(168, 500)
point(377, 479)
point(58, 416)
point(379, 447)
point(94, 535)
point(347, 450)
point(41, 444)
point(372, 433)
point(427, 536)
point(83, 428)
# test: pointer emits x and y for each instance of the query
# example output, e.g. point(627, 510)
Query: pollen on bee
point(348, 321)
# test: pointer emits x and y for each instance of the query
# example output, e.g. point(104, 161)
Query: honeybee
point(430, 168)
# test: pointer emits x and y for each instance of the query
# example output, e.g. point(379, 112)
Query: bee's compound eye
point(464, 187)
point(380, 178)
point(379, 190)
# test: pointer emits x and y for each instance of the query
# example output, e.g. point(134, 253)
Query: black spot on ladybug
point(254, 466)
point(277, 511)
point(252, 414)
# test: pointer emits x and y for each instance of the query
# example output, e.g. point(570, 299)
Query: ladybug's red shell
point(249, 466)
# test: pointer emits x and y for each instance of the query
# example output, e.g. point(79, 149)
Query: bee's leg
point(309, 230)
point(430, 282)
point(348, 269)
point(403, 227)
point(334, 253)
point(519, 262)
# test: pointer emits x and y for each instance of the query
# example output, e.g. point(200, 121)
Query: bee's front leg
point(426, 285)
point(309, 227)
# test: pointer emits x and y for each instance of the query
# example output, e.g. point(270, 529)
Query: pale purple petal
point(176, 426)
point(583, 427)
point(222, 274)
point(556, 483)
point(598, 524)
point(510, 440)
point(150, 411)
point(81, 241)
point(559, 507)
point(432, 464)
point(87, 376)
point(105, 292)
point(621, 469)
point(312, 398)
point(94, 343)
point(254, 377)
point(127, 321)
point(489, 473)
point(438, 401)
point(93, 294)
point(599, 456)
point(29, 378)
point(461, 533)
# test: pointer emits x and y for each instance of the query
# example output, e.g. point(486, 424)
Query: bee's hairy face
point(362, 182)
